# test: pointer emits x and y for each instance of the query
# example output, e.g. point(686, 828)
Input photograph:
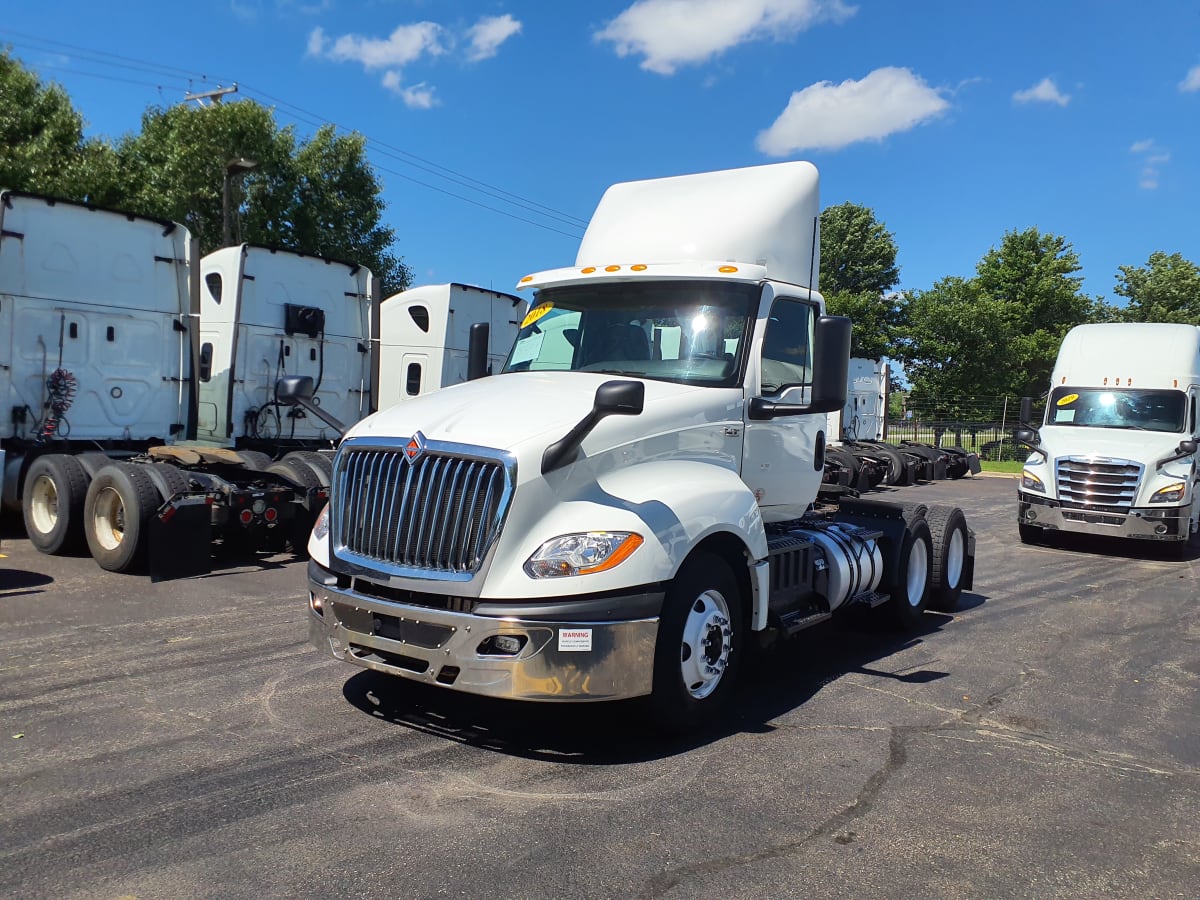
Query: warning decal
point(570, 639)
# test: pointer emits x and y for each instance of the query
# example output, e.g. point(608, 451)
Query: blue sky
point(495, 125)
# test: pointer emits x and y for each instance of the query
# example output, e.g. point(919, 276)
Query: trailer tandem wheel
point(120, 501)
point(948, 529)
point(910, 593)
point(52, 503)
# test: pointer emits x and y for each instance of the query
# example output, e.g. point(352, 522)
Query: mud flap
point(181, 541)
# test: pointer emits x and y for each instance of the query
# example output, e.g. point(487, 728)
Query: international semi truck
point(1116, 452)
point(629, 505)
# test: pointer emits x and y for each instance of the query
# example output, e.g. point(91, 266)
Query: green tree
point(320, 196)
point(41, 133)
point(999, 332)
point(858, 273)
point(1166, 289)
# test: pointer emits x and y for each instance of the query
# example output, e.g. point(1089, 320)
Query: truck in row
point(137, 380)
point(632, 503)
point(1116, 451)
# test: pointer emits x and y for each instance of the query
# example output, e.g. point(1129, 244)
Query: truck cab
point(1116, 451)
point(623, 506)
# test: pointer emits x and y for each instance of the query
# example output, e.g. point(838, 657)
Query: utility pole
point(203, 98)
point(234, 168)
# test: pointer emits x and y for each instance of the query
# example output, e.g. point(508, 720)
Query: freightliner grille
point(1104, 485)
point(435, 517)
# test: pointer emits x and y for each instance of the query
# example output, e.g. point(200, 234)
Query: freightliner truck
point(628, 507)
point(1116, 454)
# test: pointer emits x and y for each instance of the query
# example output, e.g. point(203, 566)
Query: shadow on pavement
point(772, 684)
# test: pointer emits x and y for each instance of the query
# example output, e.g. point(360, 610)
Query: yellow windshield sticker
point(1067, 400)
point(536, 313)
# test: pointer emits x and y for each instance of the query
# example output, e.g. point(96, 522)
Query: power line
point(174, 73)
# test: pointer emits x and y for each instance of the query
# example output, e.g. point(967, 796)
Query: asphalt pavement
point(182, 739)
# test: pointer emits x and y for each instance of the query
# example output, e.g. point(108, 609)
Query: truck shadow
point(1120, 548)
point(772, 684)
point(20, 582)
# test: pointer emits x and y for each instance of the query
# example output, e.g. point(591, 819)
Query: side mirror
point(613, 398)
point(1188, 447)
point(1027, 436)
point(831, 370)
point(477, 350)
point(291, 389)
point(620, 398)
point(1026, 410)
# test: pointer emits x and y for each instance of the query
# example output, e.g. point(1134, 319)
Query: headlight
point(582, 554)
point(321, 526)
point(1031, 482)
point(1172, 493)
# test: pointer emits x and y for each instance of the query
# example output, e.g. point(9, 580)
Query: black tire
point(254, 460)
point(174, 480)
point(300, 526)
point(701, 637)
point(898, 471)
point(120, 501)
point(52, 503)
point(321, 465)
point(951, 539)
point(910, 594)
point(914, 510)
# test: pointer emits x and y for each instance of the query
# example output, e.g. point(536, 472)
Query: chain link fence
point(983, 425)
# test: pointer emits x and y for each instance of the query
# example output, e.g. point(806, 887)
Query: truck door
point(783, 458)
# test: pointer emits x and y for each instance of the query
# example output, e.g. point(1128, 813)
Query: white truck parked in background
point(1116, 454)
point(629, 504)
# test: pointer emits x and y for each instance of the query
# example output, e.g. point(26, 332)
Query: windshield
point(1112, 408)
point(685, 331)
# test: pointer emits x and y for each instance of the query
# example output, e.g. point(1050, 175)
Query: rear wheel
point(910, 593)
point(120, 501)
point(319, 464)
point(948, 531)
point(699, 645)
point(299, 527)
point(52, 503)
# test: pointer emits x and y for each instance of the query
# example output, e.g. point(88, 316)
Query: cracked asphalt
point(183, 740)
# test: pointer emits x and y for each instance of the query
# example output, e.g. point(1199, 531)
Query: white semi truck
point(1116, 454)
point(629, 503)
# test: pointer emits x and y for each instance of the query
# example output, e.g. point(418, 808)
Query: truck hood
point(525, 411)
point(1116, 443)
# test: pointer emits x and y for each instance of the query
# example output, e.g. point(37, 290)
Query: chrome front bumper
point(557, 660)
point(1168, 523)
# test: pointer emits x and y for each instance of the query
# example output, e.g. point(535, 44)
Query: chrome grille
point(435, 517)
point(1094, 483)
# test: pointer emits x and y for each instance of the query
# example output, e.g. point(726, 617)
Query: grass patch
point(1004, 465)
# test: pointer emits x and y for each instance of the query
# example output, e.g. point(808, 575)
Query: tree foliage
point(1166, 289)
point(997, 333)
point(318, 196)
point(858, 273)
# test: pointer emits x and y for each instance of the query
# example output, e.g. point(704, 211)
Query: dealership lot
point(183, 739)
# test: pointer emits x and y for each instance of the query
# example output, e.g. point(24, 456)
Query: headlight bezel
point(1171, 493)
point(1031, 482)
point(567, 555)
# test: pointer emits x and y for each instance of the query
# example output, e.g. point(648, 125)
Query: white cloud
point(827, 116)
point(405, 45)
point(673, 33)
point(247, 12)
point(1153, 159)
point(408, 44)
point(417, 96)
point(1191, 81)
point(1045, 91)
point(488, 34)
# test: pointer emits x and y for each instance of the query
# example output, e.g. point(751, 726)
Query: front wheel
point(699, 648)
